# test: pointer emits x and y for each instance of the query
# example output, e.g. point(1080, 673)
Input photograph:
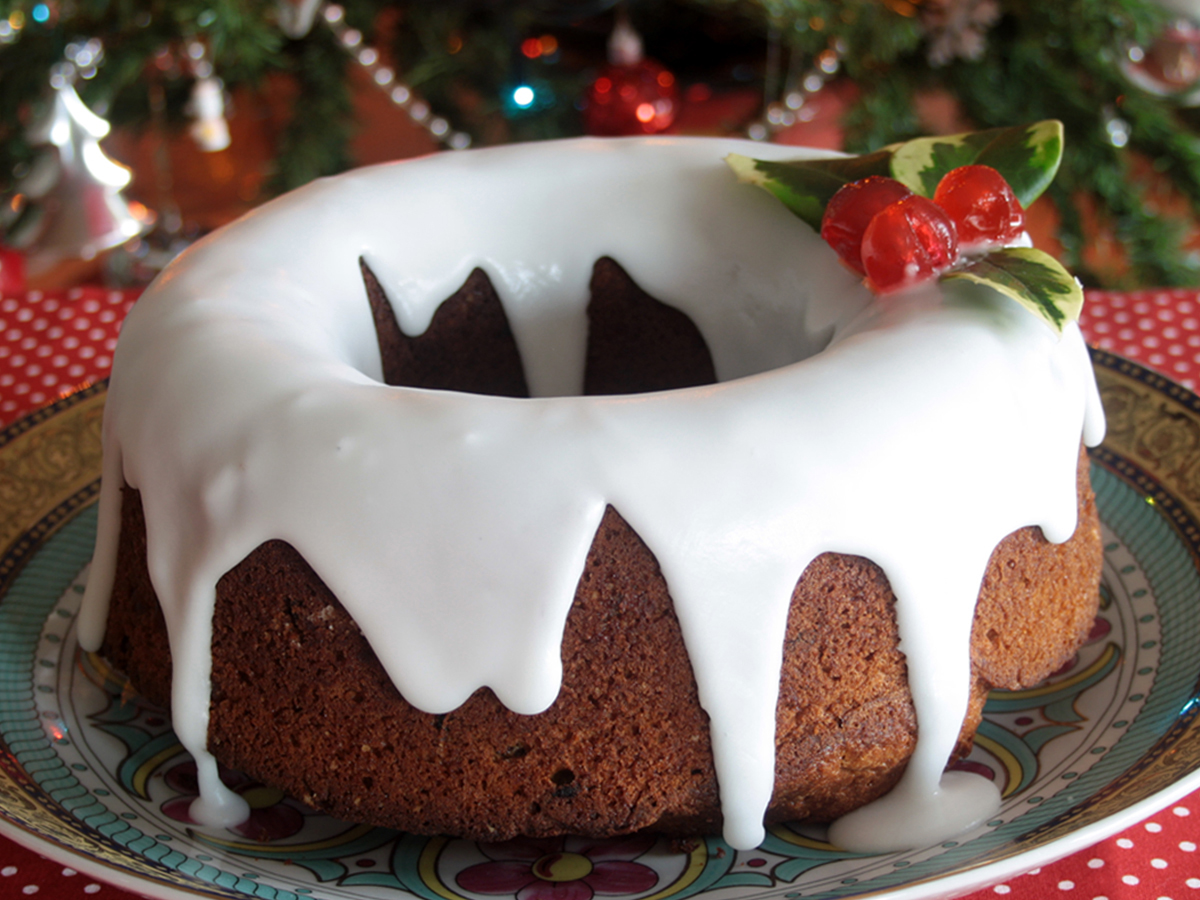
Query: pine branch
point(1058, 59)
point(315, 140)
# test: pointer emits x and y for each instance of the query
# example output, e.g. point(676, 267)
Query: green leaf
point(1027, 156)
point(806, 186)
point(1034, 279)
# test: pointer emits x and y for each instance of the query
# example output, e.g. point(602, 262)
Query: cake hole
point(516, 751)
point(468, 346)
point(563, 776)
point(438, 720)
point(368, 782)
point(635, 343)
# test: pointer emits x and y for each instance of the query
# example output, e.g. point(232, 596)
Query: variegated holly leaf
point(807, 186)
point(1027, 156)
point(1034, 279)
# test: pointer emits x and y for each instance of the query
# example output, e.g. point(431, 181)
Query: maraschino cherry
point(982, 205)
point(910, 241)
point(851, 210)
point(898, 239)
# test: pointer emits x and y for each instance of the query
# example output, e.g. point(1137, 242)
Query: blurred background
point(128, 128)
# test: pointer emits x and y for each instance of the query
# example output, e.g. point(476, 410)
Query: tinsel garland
point(1026, 60)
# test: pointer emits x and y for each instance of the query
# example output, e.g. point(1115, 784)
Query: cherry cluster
point(898, 239)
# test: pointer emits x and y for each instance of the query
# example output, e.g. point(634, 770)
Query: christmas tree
point(1122, 75)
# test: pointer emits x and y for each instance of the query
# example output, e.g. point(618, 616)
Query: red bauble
point(640, 98)
point(12, 271)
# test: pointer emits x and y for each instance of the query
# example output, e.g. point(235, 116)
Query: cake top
point(245, 405)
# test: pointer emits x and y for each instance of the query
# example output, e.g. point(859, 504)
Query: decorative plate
point(93, 776)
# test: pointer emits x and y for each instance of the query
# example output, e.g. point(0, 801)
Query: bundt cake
point(577, 488)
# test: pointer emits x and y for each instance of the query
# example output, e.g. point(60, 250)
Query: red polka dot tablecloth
point(1159, 329)
point(52, 343)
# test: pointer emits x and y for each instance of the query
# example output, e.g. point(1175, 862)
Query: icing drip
point(245, 405)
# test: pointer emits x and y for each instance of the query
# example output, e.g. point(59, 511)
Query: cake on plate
point(579, 488)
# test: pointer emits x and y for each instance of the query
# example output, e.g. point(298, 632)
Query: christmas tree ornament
point(632, 94)
point(70, 200)
point(209, 129)
point(1170, 66)
point(12, 271)
point(1174, 58)
point(296, 16)
point(957, 29)
point(351, 39)
point(206, 106)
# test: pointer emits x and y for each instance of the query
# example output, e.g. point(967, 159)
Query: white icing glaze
point(245, 405)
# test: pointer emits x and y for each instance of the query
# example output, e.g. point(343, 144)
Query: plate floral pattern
point(91, 772)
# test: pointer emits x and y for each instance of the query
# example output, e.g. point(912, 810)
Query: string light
point(1117, 129)
point(384, 77)
point(523, 95)
point(794, 106)
point(10, 28)
point(80, 60)
point(83, 58)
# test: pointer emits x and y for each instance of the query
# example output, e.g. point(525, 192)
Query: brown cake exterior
point(299, 700)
